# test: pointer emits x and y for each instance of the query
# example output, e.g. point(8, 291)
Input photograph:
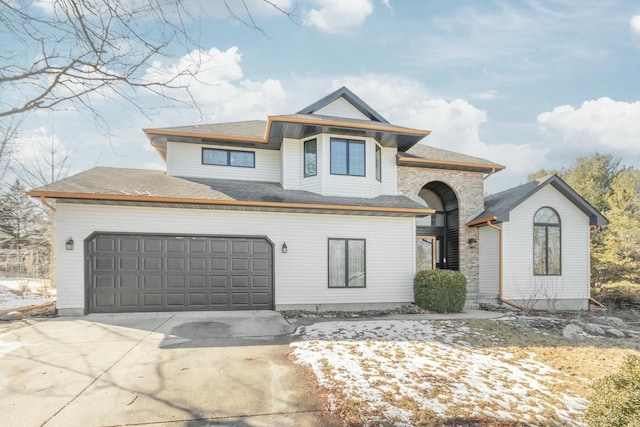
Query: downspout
point(500, 297)
point(46, 203)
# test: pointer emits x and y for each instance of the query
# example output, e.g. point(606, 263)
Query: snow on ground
point(11, 300)
point(415, 372)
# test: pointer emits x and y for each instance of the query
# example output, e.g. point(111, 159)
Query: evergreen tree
point(22, 218)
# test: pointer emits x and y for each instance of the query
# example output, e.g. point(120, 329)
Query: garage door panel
point(153, 282)
point(152, 263)
point(175, 273)
point(220, 264)
point(152, 300)
point(175, 246)
point(129, 244)
point(197, 281)
point(129, 282)
point(104, 263)
point(129, 264)
point(219, 281)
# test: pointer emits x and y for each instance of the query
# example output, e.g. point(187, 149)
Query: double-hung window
point(218, 157)
point(347, 263)
point(347, 157)
point(310, 158)
point(546, 243)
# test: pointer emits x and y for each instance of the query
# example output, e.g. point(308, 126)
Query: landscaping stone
point(12, 315)
point(573, 332)
point(615, 333)
point(615, 320)
point(594, 329)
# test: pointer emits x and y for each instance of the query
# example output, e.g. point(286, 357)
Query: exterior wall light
point(68, 245)
point(284, 248)
point(473, 243)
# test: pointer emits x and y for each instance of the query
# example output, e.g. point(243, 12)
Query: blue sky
point(528, 84)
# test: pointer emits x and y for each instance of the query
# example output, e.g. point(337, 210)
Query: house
point(538, 256)
point(329, 208)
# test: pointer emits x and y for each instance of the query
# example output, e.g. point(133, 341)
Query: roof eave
point(449, 164)
point(230, 202)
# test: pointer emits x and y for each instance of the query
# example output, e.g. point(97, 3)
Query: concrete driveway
point(177, 369)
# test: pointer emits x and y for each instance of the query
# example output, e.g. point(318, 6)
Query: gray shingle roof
point(148, 185)
point(500, 205)
point(433, 153)
point(247, 128)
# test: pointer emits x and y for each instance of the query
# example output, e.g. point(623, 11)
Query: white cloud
point(215, 83)
point(338, 16)
point(634, 23)
point(603, 124)
point(487, 95)
point(387, 4)
point(32, 156)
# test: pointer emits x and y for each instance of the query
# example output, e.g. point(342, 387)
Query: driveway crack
point(105, 371)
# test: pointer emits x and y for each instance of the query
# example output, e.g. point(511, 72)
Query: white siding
point(389, 171)
point(489, 261)
point(519, 280)
point(291, 161)
point(341, 108)
point(186, 160)
point(300, 274)
point(337, 185)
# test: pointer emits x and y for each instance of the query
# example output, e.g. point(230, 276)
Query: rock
point(615, 320)
point(12, 315)
point(615, 333)
point(594, 329)
point(573, 332)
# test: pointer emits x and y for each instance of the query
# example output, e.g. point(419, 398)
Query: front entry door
point(429, 253)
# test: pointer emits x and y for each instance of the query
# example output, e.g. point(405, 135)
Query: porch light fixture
point(473, 243)
point(68, 245)
point(284, 248)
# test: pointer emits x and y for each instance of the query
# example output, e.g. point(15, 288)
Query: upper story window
point(546, 243)
point(347, 157)
point(378, 163)
point(310, 158)
point(218, 157)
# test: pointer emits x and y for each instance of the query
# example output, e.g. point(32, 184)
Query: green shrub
point(442, 291)
point(615, 400)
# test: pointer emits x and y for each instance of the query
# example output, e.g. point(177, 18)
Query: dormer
point(337, 146)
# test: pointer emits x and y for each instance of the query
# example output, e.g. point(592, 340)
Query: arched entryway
point(438, 234)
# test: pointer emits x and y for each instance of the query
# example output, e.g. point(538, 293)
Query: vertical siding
point(519, 280)
point(300, 274)
point(186, 160)
point(341, 108)
point(489, 253)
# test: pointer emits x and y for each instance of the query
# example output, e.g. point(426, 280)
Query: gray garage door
point(142, 272)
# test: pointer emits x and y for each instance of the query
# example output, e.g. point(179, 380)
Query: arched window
point(546, 243)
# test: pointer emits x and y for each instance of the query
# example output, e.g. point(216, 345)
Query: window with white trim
point(310, 158)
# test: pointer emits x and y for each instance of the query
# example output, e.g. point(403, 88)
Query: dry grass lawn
point(481, 372)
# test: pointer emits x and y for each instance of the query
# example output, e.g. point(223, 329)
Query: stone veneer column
point(469, 188)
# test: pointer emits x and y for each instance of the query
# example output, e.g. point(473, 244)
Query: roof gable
point(498, 206)
point(348, 96)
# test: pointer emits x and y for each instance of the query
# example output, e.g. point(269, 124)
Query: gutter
point(44, 201)
point(500, 297)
